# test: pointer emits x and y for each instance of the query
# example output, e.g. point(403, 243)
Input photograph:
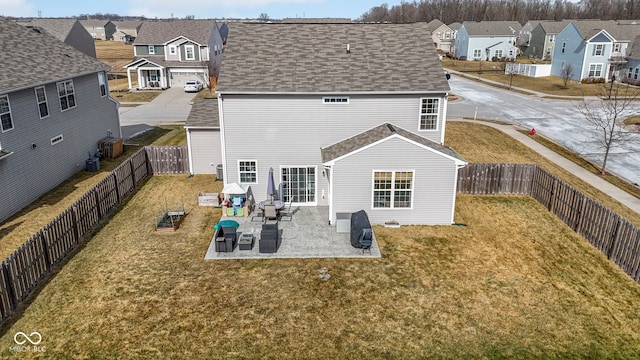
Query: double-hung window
point(429, 113)
point(498, 53)
point(595, 70)
point(152, 49)
point(172, 49)
point(189, 52)
point(392, 189)
point(41, 98)
point(248, 171)
point(564, 47)
point(477, 53)
point(66, 94)
point(103, 84)
point(598, 49)
point(5, 114)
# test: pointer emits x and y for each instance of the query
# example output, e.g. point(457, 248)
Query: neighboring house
point(524, 37)
point(203, 137)
point(99, 29)
point(632, 75)
point(593, 49)
point(327, 20)
point(487, 40)
point(54, 109)
point(543, 39)
point(126, 30)
point(342, 126)
point(69, 31)
point(442, 35)
point(169, 53)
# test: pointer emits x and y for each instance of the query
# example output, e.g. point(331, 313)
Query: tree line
point(450, 11)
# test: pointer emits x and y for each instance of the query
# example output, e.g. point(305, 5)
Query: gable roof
point(586, 28)
point(455, 26)
point(434, 24)
point(127, 24)
point(378, 133)
point(38, 58)
point(58, 27)
point(95, 22)
point(552, 26)
point(204, 114)
point(313, 58)
point(633, 51)
point(159, 32)
point(493, 28)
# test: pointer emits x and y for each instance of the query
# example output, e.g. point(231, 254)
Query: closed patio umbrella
point(271, 186)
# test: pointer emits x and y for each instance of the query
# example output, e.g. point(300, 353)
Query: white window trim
point(151, 49)
point(437, 114)
point(186, 53)
point(315, 193)
point(495, 54)
point(173, 50)
point(327, 100)
point(393, 179)
point(595, 50)
point(57, 139)
point(102, 82)
point(10, 115)
point(594, 71)
point(75, 100)
point(239, 172)
point(479, 57)
point(46, 102)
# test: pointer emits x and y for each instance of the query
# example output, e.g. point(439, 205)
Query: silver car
point(193, 86)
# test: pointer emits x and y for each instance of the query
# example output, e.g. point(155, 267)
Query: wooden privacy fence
point(617, 238)
point(25, 268)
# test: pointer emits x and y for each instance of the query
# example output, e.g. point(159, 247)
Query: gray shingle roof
point(378, 133)
point(553, 27)
point(58, 27)
point(29, 57)
point(126, 24)
point(496, 28)
point(633, 51)
point(159, 32)
point(455, 26)
point(434, 24)
point(316, 20)
point(204, 114)
point(268, 58)
point(94, 22)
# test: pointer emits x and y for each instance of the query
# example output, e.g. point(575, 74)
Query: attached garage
point(177, 77)
point(203, 137)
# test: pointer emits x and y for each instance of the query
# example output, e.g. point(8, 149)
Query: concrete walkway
point(616, 193)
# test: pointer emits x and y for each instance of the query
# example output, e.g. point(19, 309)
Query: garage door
point(178, 78)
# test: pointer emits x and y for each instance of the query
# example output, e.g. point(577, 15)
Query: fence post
point(11, 292)
point(76, 224)
point(578, 224)
point(95, 195)
point(133, 172)
point(45, 248)
point(116, 182)
point(615, 240)
point(148, 160)
point(552, 195)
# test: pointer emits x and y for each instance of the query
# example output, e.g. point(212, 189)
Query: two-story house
point(99, 29)
point(487, 40)
point(442, 35)
point(169, 53)
point(343, 127)
point(54, 109)
point(593, 49)
point(126, 30)
point(69, 31)
point(542, 39)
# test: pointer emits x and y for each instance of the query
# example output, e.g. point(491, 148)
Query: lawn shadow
point(7, 230)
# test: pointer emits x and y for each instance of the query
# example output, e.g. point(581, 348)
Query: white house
point(487, 40)
point(342, 126)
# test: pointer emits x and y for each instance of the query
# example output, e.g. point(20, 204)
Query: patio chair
point(258, 214)
point(286, 212)
point(270, 213)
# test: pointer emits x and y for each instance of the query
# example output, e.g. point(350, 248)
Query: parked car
point(193, 85)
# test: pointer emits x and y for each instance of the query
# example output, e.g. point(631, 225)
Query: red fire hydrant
point(533, 131)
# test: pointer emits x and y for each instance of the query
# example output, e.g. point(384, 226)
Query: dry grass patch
point(135, 96)
point(498, 287)
point(479, 143)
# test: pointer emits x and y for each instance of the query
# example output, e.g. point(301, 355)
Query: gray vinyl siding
point(290, 130)
point(183, 51)
point(536, 43)
point(433, 187)
point(30, 172)
point(142, 50)
point(206, 150)
point(573, 54)
point(80, 39)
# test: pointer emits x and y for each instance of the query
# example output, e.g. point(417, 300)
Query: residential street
point(555, 119)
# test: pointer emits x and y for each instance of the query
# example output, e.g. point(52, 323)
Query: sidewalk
point(616, 193)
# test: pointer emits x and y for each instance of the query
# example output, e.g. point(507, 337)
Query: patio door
point(299, 184)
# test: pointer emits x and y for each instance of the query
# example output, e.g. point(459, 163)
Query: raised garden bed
point(208, 199)
point(170, 221)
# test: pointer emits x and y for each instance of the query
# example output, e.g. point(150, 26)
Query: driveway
point(170, 107)
point(555, 119)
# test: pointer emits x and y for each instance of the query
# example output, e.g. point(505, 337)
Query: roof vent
point(36, 30)
point(348, 49)
point(391, 128)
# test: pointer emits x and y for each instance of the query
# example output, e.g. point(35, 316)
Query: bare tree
point(263, 17)
point(605, 116)
point(566, 73)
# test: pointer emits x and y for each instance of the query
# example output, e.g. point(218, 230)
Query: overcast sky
point(201, 9)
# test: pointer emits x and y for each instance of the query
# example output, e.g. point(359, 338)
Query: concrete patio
point(307, 235)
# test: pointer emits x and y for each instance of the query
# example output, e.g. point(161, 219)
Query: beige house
point(442, 35)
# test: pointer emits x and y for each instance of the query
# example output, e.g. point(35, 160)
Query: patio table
point(279, 204)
